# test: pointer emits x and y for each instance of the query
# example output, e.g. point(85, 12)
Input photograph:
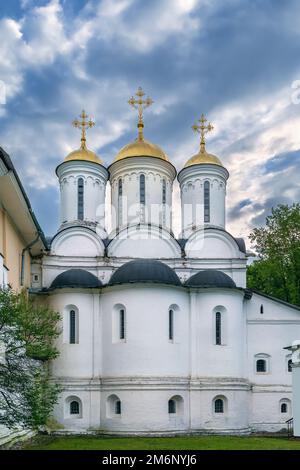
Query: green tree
point(277, 270)
point(27, 333)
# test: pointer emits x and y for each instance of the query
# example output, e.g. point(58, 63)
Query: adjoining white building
point(160, 335)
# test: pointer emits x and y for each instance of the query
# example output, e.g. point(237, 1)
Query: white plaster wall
point(95, 178)
point(90, 403)
point(146, 370)
point(147, 350)
point(207, 358)
point(191, 182)
point(76, 360)
point(144, 242)
point(129, 171)
point(269, 333)
point(145, 410)
point(236, 413)
point(213, 244)
point(265, 409)
point(77, 241)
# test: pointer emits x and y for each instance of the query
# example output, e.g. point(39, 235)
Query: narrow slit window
point(120, 194)
point(206, 202)
point(120, 188)
point(290, 365)
point(172, 406)
point(122, 324)
point(72, 327)
point(118, 407)
point(164, 192)
point(171, 325)
point(218, 328)
point(80, 190)
point(283, 408)
point(142, 190)
point(261, 309)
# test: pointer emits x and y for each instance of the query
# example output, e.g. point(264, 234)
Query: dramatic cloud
point(236, 61)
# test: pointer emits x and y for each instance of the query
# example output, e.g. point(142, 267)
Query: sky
point(235, 61)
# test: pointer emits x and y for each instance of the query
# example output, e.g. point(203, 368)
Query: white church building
point(159, 334)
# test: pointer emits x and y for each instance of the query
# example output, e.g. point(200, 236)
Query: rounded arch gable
point(142, 241)
point(212, 243)
point(77, 241)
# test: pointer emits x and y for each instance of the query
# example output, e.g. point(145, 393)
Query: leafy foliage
point(277, 271)
point(27, 334)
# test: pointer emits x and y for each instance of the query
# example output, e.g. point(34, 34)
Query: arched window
point(206, 201)
point(218, 328)
point(80, 202)
point(72, 327)
point(122, 323)
point(175, 405)
point(164, 191)
point(173, 320)
point(261, 365)
point(113, 406)
point(71, 324)
point(283, 408)
point(219, 405)
point(172, 406)
point(118, 407)
point(261, 309)
point(118, 325)
point(74, 408)
point(142, 190)
point(171, 325)
point(290, 365)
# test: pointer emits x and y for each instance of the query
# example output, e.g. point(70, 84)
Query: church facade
point(159, 334)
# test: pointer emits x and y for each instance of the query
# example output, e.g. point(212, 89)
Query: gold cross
point(140, 104)
point(202, 129)
point(83, 125)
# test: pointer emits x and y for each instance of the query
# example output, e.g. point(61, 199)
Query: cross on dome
point(202, 129)
point(140, 104)
point(84, 124)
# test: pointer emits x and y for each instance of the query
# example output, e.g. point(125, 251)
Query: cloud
point(144, 25)
point(33, 41)
point(226, 59)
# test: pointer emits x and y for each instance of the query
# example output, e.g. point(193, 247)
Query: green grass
point(163, 443)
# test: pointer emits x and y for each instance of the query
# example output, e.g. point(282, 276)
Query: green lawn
point(164, 443)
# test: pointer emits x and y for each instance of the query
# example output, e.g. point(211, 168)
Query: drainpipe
point(23, 256)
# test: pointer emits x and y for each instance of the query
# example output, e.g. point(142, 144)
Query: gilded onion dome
point(141, 147)
point(83, 153)
point(203, 156)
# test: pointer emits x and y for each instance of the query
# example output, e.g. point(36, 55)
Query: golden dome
point(203, 157)
point(83, 154)
point(141, 148)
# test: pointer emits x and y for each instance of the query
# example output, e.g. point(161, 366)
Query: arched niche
point(144, 241)
point(77, 241)
point(212, 243)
